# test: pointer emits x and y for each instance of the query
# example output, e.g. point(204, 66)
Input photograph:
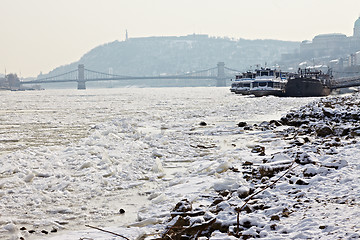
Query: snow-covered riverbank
point(145, 161)
point(313, 168)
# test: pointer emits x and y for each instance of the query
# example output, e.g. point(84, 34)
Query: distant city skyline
point(40, 35)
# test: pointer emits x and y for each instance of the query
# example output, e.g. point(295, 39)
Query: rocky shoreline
point(285, 191)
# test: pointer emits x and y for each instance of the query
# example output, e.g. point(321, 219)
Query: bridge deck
point(118, 79)
point(82, 75)
point(345, 82)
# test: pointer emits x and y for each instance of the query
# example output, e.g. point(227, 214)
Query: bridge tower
point(221, 79)
point(81, 77)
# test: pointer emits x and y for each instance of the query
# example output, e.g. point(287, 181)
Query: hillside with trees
point(171, 55)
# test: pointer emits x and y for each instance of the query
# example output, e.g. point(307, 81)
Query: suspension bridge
point(219, 73)
point(81, 75)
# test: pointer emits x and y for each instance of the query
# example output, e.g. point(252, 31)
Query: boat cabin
point(245, 75)
point(269, 73)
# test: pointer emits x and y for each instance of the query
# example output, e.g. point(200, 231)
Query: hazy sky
point(39, 35)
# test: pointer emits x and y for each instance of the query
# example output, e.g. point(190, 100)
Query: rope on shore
point(238, 209)
point(103, 230)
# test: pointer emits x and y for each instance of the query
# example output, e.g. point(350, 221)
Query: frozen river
point(70, 158)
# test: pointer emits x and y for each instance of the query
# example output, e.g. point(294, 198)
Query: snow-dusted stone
point(183, 206)
point(342, 131)
point(335, 163)
point(60, 211)
point(29, 177)
point(251, 232)
point(305, 158)
point(243, 192)
point(275, 123)
point(300, 181)
point(241, 124)
point(249, 222)
point(270, 169)
point(291, 120)
point(264, 125)
point(299, 141)
point(259, 149)
point(156, 154)
point(328, 112)
point(43, 175)
point(355, 132)
point(323, 130)
point(85, 165)
point(310, 172)
point(202, 123)
point(11, 227)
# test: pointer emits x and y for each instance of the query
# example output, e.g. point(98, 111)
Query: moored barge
point(308, 83)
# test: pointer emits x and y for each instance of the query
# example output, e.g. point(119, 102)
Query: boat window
point(264, 73)
point(271, 73)
point(262, 84)
point(270, 84)
point(247, 85)
point(255, 84)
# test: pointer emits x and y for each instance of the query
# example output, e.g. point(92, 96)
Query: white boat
point(261, 82)
point(242, 83)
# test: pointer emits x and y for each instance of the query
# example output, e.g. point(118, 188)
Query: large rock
point(323, 130)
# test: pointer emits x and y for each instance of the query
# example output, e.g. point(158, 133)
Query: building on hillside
point(331, 46)
point(356, 33)
point(326, 45)
point(354, 59)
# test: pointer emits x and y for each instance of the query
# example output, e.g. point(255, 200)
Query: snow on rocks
point(29, 177)
point(313, 177)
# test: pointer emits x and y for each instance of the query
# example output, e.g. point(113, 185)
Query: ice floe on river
point(153, 159)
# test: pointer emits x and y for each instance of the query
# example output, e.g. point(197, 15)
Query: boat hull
point(242, 91)
point(306, 87)
point(267, 92)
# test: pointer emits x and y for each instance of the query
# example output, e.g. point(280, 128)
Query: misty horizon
point(43, 35)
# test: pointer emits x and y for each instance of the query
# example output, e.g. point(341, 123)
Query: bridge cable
point(201, 71)
point(56, 76)
point(230, 69)
point(107, 74)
